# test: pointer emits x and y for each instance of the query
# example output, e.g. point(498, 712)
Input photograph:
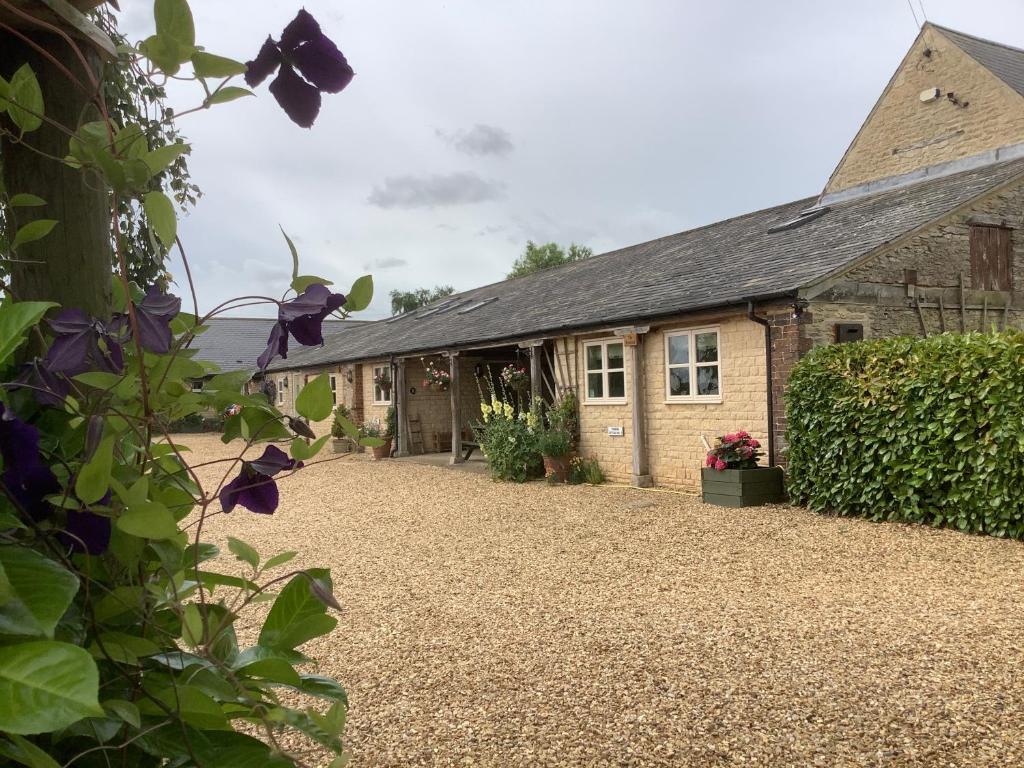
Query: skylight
point(802, 218)
point(479, 304)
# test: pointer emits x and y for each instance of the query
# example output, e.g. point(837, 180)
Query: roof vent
point(479, 304)
point(810, 214)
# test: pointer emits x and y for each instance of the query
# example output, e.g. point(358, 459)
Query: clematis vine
point(255, 488)
point(303, 46)
point(303, 317)
point(47, 387)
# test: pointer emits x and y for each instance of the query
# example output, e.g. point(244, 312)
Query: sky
point(473, 126)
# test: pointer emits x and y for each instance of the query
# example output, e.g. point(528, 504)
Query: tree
point(407, 301)
point(537, 257)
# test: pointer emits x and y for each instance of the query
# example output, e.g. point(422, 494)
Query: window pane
point(707, 380)
point(615, 359)
point(595, 387)
point(678, 349)
point(594, 358)
point(707, 347)
point(679, 382)
point(617, 384)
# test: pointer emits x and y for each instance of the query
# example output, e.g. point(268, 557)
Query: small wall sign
point(615, 432)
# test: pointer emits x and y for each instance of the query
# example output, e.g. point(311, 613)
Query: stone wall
point(296, 380)
point(673, 429)
point(903, 134)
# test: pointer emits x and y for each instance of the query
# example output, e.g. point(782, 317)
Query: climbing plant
point(117, 627)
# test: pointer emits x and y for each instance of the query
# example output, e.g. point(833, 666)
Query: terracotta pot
point(383, 451)
point(557, 467)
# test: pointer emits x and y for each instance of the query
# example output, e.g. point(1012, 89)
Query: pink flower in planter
point(754, 444)
point(710, 461)
point(720, 465)
point(741, 435)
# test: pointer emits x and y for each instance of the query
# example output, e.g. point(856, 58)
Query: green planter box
point(742, 487)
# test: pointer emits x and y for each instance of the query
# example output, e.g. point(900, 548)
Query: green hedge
point(917, 430)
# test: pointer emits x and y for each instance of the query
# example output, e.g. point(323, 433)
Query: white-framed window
point(197, 385)
point(605, 371)
point(693, 366)
point(282, 385)
point(382, 385)
point(334, 388)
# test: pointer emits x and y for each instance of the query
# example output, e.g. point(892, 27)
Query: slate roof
point(1004, 61)
point(234, 343)
point(722, 264)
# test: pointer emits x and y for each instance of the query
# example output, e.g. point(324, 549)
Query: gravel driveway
point(492, 624)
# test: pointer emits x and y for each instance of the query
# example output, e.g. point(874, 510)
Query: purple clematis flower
point(25, 476)
point(47, 388)
point(254, 488)
point(302, 317)
point(154, 314)
point(87, 532)
point(303, 46)
point(83, 343)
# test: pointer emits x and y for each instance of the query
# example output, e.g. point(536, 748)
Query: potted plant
point(515, 377)
point(436, 377)
point(343, 442)
point(385, 433)
point(383, 382)
point(555, 446)
point(732, 478)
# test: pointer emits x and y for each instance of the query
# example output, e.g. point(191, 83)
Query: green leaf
point(25, 200)
point(124, 710)
point(15, 320)
point(279, 559)
point(148, 520)
point(297, 615)
point(195, 707)
point(275, 670)
point(295, 253)
point(209, 65)
point(301, 451)
point(302, 282)
point(226, 94)
point(244, 552)
point(45, 686)
point(93, 479)
point(166, 53)
point(324, 688)
point(360, 294)
point(315, 401)
point(25, 752)
point(160, 213)
point(34, 230)
point(371, 442)
point(174, 21)
point(25, 99)
point(162, 157)
point(41, 590)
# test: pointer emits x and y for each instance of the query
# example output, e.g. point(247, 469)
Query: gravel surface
point(491, 624)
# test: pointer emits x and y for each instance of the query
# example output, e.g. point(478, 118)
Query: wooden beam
point(454, 390)
point(400, 395)
point(536, 379)
point(641, 471)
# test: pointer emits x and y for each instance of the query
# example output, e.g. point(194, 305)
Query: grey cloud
point(491, 229)
point(388, 262)
point(480, 140)
point(435, 191)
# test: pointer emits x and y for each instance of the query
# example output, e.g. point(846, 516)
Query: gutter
point(768, 375)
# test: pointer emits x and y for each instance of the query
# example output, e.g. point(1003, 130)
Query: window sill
point(381, 402)
point(694, 401)
point(616, 401)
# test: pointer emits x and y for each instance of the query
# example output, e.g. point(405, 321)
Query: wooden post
point(399, 393)
point(454, 389)
point(632, 338)
point(71, 265)
point(536, 381)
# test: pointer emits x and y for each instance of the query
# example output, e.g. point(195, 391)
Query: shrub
point(585, 471)
point(508, 439)
point(554, 442)
point(390, 422)
point(918, 430)
point(563, 414)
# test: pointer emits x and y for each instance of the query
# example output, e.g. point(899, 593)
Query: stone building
point(693, 335)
